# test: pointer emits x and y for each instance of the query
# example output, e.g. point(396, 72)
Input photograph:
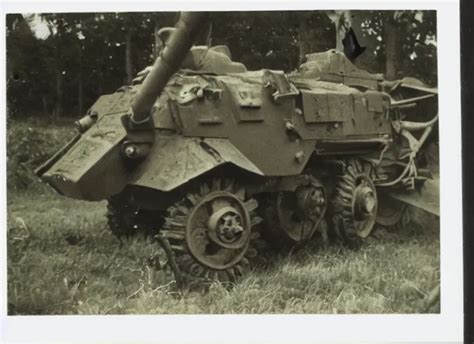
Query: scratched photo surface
point(222, 162)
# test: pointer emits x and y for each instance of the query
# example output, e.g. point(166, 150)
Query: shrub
point(29, 144)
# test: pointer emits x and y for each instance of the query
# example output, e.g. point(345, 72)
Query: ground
point(62, 259)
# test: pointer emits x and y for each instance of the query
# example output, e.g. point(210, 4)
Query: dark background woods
point(89, 54)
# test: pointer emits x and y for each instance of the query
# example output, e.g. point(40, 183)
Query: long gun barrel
point(169, 61)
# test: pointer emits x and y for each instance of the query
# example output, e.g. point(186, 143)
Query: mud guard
point(93, 168)
point(174, 160)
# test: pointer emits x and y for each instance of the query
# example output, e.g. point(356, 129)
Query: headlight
point(86, 122)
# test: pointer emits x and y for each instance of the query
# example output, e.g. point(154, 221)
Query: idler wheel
point(392, 213)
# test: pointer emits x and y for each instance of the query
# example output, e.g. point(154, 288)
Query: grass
point(62, 259)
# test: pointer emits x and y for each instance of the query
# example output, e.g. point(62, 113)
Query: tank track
point(125, 221)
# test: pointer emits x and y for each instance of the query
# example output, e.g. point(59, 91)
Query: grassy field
point(62, 259)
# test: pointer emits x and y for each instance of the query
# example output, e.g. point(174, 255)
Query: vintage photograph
point(240, 162)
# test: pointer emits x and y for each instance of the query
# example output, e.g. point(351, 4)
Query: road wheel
point(354, 204)
point(291, 217)
point(210, 232)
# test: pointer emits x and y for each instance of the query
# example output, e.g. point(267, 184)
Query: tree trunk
point(80, 86)
point(44, 101)
point(59, 94)
point(58, 108)
point(342, 21)
point(303, 41)
point(100, 84)
point(301, 49)
point(128, 57)
point(80, 82)
point(391, 44)
point(158, 44)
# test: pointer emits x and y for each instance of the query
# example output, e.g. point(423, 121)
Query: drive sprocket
point(354, 203)
point(210, 232)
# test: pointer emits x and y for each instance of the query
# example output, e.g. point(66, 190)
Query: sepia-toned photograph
point(239, 162)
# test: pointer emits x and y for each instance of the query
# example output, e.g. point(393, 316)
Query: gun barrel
point(169, 61)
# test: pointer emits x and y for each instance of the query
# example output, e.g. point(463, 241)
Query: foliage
point(414, 41)
point(89, 54)
point(274, 40)
point(29, 144)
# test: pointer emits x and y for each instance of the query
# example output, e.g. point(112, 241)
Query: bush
point(29, 144)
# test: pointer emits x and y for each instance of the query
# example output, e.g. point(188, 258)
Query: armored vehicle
point(213, 159)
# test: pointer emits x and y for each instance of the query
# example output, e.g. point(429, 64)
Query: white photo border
point(444, 327)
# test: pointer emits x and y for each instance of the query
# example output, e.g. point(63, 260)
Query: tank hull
point(223, 150)
point(262, 122)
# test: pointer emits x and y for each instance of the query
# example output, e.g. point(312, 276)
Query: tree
point(90, 54)
point(400, 43)
point(275, 40)
point(19, 39)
